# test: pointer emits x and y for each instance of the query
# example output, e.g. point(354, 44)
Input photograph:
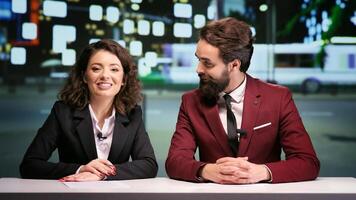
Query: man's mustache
point(205, 78)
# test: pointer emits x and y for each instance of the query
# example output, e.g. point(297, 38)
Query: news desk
point(165, 188)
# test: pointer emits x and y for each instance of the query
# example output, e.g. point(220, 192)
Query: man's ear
point(235, 64)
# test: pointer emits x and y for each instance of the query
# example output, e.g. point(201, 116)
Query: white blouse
point(103, 144)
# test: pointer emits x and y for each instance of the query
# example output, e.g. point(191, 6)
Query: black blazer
point(71, 132)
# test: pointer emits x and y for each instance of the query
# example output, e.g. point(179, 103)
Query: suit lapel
point(252, 102)
point(119, 137)
point(211, 114)
point(85, 131)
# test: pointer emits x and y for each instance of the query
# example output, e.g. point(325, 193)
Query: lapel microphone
point(234, 141)
point(240, 133)
point(100, 136)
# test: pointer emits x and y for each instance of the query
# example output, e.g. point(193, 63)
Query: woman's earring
point(84, 80)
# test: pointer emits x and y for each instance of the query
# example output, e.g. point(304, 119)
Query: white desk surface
point(322, 185)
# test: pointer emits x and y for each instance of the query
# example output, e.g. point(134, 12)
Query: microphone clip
point(100, 136)
point(240, 133)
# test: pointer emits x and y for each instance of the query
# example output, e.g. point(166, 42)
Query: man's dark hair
point(232, 37)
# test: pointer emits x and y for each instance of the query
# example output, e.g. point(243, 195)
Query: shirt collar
point(238, 93)
point(95, 120)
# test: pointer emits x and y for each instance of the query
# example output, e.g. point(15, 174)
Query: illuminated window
point(253, 31)
point(151, 59)
point(136, 48)
point(18, 56)
point(112, 14)
point(212, 12)
point(58, 74)
point(122, 43)
point(129, 26)
point(95, 12)
point(5, 12)
point(263, 7)
point(55, 8)
point(93, 40)
point(68, 57)
point(29, 31)
point(199, 21)
point(312, 30)
point(143, 27)
point(135, 7)
point(143, 70)
point(182, 30)
point(325, 24)
point(182, 10)
point(158, 28)
point(19, 6)
point(61, 36)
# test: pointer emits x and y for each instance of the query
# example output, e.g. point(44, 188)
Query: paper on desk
point(96, 185)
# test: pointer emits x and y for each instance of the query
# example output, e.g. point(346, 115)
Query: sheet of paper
point(96, 185)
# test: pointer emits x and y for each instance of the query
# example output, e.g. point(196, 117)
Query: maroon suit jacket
point(199, 126)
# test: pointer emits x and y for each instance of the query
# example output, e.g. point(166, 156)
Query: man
point(240, 124)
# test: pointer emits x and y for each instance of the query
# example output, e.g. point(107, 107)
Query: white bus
point(294, 64)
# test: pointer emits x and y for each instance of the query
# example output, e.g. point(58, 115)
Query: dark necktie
point(231, 125)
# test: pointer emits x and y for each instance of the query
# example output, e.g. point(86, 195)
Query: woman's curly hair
point(75, 92)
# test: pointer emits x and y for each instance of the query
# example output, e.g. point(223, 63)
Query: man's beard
point(211, 88)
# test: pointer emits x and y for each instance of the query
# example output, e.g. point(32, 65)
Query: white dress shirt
point(103, 146)
point(237, 100)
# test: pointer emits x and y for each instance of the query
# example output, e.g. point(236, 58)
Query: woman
point(96, 125)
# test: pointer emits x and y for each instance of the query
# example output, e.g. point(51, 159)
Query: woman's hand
point(80, 177)
point(99, 167)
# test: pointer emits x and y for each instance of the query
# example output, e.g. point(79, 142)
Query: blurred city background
point(306, 45)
